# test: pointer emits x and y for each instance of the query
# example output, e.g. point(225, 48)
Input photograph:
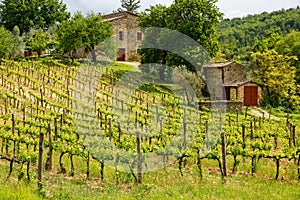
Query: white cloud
point(231, 8)
point(240, 8)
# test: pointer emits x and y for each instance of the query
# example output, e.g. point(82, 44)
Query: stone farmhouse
point(127, 34)
point(228, 82)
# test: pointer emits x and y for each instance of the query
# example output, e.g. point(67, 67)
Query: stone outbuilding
point(228, 81)
point(127, 34)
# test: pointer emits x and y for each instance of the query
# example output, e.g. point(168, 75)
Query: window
point(139, 36)
point(121, 35)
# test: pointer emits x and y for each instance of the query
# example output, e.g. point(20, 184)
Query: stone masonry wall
point(126, 23)
point(214, 82)
point(120, 25)
point(235, 73)
point(233, 106)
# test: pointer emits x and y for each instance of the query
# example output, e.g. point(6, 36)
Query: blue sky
point(231, 8)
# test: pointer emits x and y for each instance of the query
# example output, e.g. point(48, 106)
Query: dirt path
point(260, 113)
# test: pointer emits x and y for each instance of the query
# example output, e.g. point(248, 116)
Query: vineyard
point(53, 115)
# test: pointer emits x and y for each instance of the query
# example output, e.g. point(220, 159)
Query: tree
point(70, 34)
point(290, 45)
point(28, 14)
point(83, 32)
point(267, 43)
point(97, 31)
point(237, 36)
point(131, 5)
point(197, 19)
point(156, 16)
point(277, 78)
point(38, 42)
point(17, 45)
point(194, 18)
point(5, 42)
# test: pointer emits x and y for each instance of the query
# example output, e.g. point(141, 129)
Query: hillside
point(104, 131)
point(239, 35)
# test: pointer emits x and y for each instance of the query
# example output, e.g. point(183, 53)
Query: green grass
point(13, 189)
point(122, 67)
point(15, 192)
point(281, 112)
point(162, 184)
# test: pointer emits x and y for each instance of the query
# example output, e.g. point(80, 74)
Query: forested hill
point(239, 35)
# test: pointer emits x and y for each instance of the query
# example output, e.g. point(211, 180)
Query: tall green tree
point(290, 45)
point(276, 75)
point(70, 34)
point(38, 42)
point(194, 18)
point(96, 32)
point(28, 14)
point(155, 16)
point(5, 42)
point(83, 32)
point(267, 43)
point(197, 19)
point(131, 5)
point(17, 45)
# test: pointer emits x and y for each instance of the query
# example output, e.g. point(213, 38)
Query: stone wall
point(120, 25)
point(233, 106)
point(127, 23)
point(214, 82)
point(234, 73)
point(227, 74)
point(133, 29)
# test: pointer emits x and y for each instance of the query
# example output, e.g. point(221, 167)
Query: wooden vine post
point(243, 133)
point(50, 153)
point(199, 164)
point(223, 143)
point(110, 130)
point(55, 129)
point(40, 162)
point(251, 130)
point(277, 168)
point(290, 128)
point(246, 113)
point(88, 166)
point(294, 135)
point(24, 115)
point(119, 131)
point(206, 131)
point(184, 132)
point(13, 131)
point(139, 157)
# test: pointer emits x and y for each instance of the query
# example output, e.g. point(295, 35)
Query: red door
point(121, 54)
point(250, 96)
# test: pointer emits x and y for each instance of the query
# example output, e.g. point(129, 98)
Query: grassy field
point(162, 184)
